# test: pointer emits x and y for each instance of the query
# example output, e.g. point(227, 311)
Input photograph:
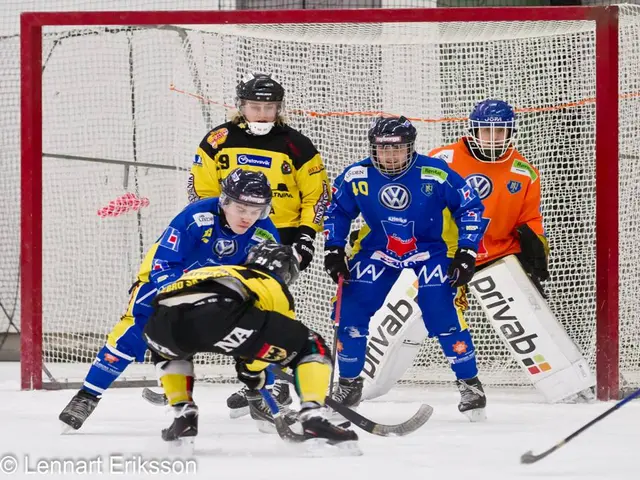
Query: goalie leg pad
point(529, 329)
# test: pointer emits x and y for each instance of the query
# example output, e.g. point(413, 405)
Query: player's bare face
point(241, 217)
point(260, 111)
point(392, 158)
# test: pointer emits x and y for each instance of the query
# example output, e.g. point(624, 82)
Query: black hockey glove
point(462, 267)
point(335, 263)
point(304, 247)
point(253, 380)
point(533, 253)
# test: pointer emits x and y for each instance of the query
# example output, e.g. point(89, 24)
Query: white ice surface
point(125, 427)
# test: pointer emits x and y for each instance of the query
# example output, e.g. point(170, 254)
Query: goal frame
point(607, 148)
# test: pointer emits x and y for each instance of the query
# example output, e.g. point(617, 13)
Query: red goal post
point(605, 23)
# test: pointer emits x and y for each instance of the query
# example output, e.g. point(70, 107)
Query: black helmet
point(248, 188)
point(279, 259)
point(259, 87)
point(392, 133)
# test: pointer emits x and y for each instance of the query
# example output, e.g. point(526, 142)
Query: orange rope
point(310, 113)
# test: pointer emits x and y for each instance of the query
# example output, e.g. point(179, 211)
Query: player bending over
point(419, 214)
point(246, 312)
point(214, 231)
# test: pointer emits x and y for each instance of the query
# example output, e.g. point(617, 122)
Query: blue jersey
point(426, 211)
point(196, 238)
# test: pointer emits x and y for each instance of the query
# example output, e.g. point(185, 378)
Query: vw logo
point(395, 197)
point(225, 248)
point(481, 184)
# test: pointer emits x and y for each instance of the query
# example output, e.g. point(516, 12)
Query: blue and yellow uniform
point(417, 220)
point(197, 237)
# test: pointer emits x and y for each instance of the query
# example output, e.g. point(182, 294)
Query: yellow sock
point(177, 387)
point(312, 381)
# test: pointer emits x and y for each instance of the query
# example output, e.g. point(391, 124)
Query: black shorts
point(226, 326)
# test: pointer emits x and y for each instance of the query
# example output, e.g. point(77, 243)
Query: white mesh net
point(148, 95)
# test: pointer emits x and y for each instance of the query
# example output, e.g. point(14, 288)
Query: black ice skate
point(182, 432)
point(349, 391)
point(472, 399)
point(239, 406)
point(317, 428)
point(260, 412)
point(78, 410)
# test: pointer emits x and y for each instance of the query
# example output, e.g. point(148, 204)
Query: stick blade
point(418, 419)
point(528, 457)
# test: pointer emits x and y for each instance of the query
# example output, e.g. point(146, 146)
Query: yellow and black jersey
point(267, 293)
point(301, 190)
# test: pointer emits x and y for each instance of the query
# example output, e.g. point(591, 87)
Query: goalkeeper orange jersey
point(510, 192)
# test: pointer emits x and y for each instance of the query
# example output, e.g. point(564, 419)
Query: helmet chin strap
point(260, 128)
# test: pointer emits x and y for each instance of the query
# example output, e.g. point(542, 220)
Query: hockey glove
point(253, 380)
point(533, 253)
point(335, 263)
point(304, 247)
point(462, 267)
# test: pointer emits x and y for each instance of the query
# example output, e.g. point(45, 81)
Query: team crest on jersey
point(513, 186)
point(224, 247)
point(401, 239)
point(286, 168)
point(481, 184)
point(217, 137)
point(427, 189)
point(395, 196)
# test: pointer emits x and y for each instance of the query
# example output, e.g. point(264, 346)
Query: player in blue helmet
point(210, 232)
point(421, 215)
point(392, 145)
point(492, 130)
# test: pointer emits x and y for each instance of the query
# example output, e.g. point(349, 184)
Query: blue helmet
point(247, 188)
point(492, 144)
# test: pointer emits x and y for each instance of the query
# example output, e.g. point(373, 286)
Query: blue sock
point(352, 349)
point(459, 349)
point(270, 376)
point(106, 368)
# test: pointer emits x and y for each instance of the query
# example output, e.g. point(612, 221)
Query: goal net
point(124, 108)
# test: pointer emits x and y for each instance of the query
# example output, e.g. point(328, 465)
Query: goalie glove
point(303, 245)
point(462, 267)
point(533, 253)
point(253, 380)
point(335, 263)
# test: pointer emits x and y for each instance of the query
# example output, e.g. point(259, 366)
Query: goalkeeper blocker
point(515, 309)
